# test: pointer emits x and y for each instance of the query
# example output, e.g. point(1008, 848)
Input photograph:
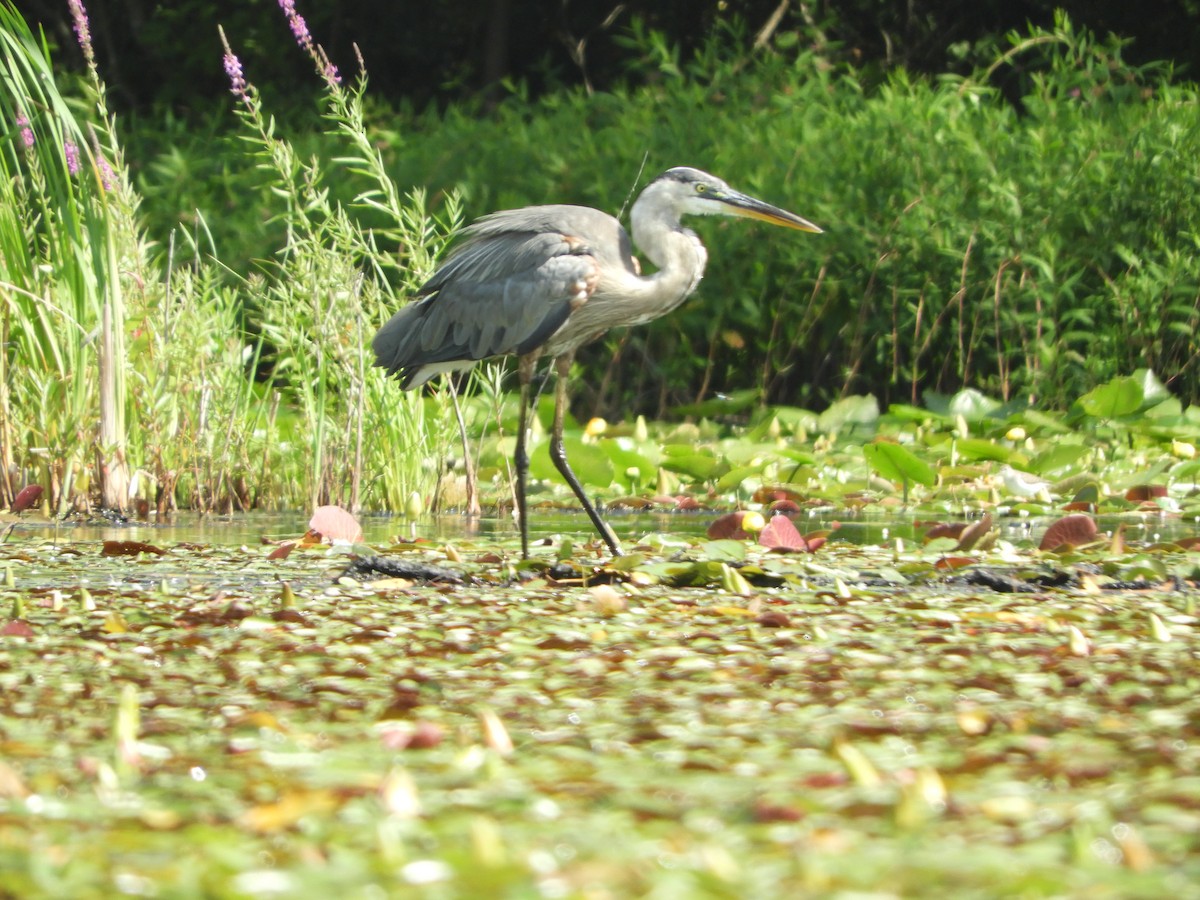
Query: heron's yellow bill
point(765, 212)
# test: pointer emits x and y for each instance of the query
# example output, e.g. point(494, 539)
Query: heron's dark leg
point(558, 452)
point(521, 456)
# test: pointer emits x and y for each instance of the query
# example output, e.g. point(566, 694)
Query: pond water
point(381, 530)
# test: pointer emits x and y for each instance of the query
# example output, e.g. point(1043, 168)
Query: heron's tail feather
point(399, 349)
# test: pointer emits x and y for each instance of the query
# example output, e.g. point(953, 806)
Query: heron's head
point(693, 192)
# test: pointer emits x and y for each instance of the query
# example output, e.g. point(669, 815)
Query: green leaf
point(624, 460)
point(738, 401)
point(1153, 390)
point(1089, 493)
point(724, 551)
point(898, 464)
point(855, 410)
point(1186, 471)
point(684, 460)
point(794, 417)
point(1167, 408)
point(1042, 420)
point(1057, 457)
point(977, 448)
point(1119, 397)
point(972, 405)
point(906, 412)
point(587, 461)
point(732, 480)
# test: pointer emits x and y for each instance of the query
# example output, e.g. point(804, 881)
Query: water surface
point(380, 530)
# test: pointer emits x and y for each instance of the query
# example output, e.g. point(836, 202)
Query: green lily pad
point(589, 463)
point(1119, 397)
point(898, 464)
point(854, 410)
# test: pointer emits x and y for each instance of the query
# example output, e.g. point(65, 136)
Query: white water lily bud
point(641, 432)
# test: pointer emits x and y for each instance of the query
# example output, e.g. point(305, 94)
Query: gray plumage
point(506, 289)
point(545, 280)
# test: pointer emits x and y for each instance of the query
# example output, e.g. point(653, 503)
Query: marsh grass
point(333, 282)
point(129, 365)
point(72, 271)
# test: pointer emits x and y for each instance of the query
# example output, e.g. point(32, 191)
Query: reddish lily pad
point(974, 533)
point(945, 530)
point(16, 628)
point(777, 493)
point(1069, 531)
point(27, 498)
point(955, 562)
point(283, 550)
point(335, 524)
point(781, 534)
point(1140, 493)
point(129, 548)
point(730, 526)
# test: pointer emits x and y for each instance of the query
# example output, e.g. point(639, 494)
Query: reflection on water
point(380, 530)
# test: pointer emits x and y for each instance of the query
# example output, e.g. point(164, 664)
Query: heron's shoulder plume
point(531, 220)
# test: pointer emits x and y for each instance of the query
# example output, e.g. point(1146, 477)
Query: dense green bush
point(1027, 251)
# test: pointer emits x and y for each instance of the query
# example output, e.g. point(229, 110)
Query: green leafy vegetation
point(702, 718)
point(1032, 248)
point(946, 645)
point(1031, 251)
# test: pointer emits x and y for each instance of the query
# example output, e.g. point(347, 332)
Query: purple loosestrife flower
point(83, 31)
point(233, 68)
point(303, 37)
point(298, 25)
point(107, 176)
point(328, 70)
point(237, 80)
point(27, 137)
point(71, 151)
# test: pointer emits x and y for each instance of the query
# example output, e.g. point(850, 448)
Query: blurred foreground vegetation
point(1030, 249)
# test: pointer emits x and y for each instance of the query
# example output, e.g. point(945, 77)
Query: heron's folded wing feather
point(500, 294)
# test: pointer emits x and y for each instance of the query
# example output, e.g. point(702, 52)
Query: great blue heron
point(545, 280)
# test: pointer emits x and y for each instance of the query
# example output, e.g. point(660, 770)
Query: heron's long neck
point(675, 250)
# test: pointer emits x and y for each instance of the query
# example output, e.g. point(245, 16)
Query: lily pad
point(899, 464)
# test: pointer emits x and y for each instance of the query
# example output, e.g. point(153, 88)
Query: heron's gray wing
point(499, 293)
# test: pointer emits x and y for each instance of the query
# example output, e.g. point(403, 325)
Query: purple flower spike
point(108, 177)
point(233, 68)
point(328, 70)
point(237, 80)
point(72, 153)
point(27, 137)
point(82, 30)
point(298, 25)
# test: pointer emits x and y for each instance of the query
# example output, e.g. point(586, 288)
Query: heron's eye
point(701, 188)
